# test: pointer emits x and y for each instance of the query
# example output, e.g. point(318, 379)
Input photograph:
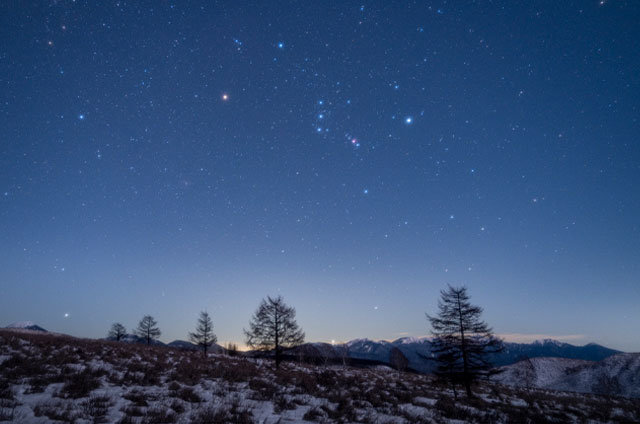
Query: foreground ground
point(50, 377)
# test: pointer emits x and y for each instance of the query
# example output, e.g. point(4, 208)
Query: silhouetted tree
point(461, 340)
point(148, 329)
point(273, 326)
point(232, 349)
point(117, 331)
point(204, 336)
point(398, 360)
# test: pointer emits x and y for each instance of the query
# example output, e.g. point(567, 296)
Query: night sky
point(167, 157)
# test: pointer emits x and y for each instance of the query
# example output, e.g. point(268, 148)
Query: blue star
point(365, 191)
point(81, 117)
point(280, 45)
point(408, 120)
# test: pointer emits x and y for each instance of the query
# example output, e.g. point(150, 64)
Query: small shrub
point(188, 395)
point(8, 410)
point(133, 411)
point(159, 415)
point(138, 398)
point(79, 384)
point(56, 411)
point(263, 389)
point(313, 414)
point(6, 392)
point(97, 407)
point(177, 406)
point(281, 403)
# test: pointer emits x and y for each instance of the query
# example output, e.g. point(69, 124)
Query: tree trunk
point(465, 360)
point(277, 341)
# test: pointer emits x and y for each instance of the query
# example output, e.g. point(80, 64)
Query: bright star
point(365, 191)
point(408, 120)
point(281, 45)
point(66, 315)
point(81, 116)
point(225, 96)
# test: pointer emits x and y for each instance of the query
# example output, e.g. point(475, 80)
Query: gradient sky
point(162, 158)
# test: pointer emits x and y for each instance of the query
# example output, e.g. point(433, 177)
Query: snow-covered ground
point(616, 375)
point(45, 378)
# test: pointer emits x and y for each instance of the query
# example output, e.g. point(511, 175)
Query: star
point(224, 97)
point(408, 120)
point(81, 117)
point(66, 314)
point(365, 191)
point(280, 45)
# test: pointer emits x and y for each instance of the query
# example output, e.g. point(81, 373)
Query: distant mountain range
point(418, 350)
point(178, 344)
point(617, 375)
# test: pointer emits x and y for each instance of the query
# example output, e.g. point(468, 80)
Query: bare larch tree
point(203, 336)
point(117, 331)
point(148, 329)
point(273, 327)
point(461, 340)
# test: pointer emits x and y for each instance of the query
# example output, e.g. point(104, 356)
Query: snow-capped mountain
point(514, 352)
point(616, 375)
point(183, 344)
point(418, 350)
point(25, 325)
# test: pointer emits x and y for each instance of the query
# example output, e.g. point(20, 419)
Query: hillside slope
point(46, 377)
point(617, 375)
